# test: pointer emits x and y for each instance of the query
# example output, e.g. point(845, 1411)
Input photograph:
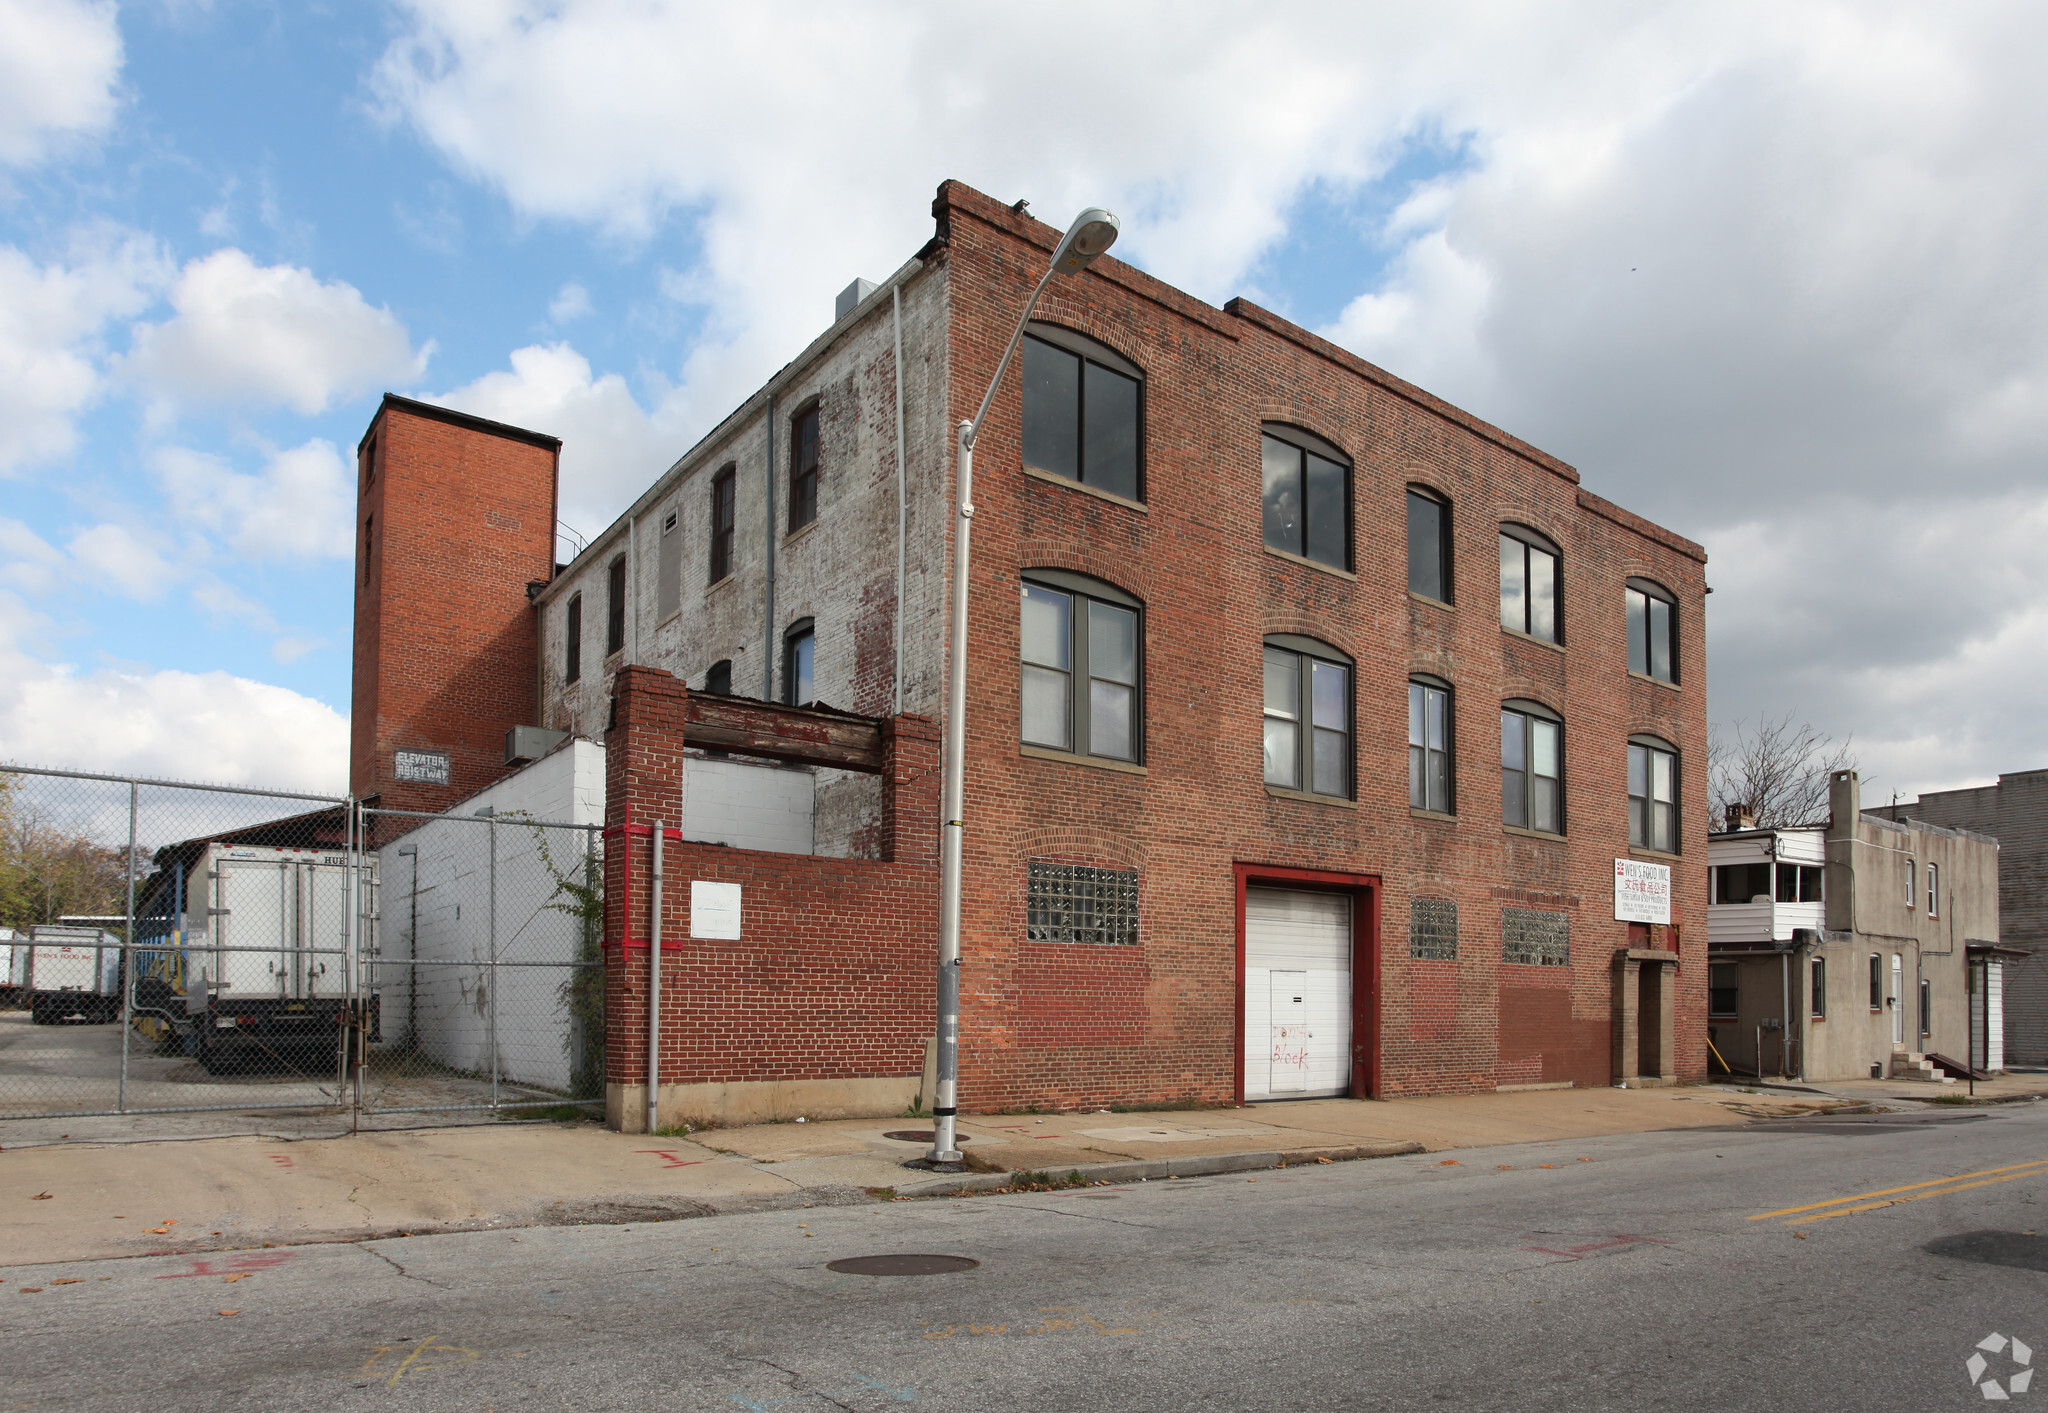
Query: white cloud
point(611, 448)
point(205, 726)
point(245, 333)
point(571, 303)
point(113, 556)
point(59, 63)
point(1745, 265)
point(300, 505)
point(51, 320)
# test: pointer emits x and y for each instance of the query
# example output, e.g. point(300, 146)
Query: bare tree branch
point(1774, 770)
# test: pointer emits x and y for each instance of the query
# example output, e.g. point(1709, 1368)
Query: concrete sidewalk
point(81, 1201)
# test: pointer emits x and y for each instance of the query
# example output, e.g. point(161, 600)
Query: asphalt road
point(1613, 1273)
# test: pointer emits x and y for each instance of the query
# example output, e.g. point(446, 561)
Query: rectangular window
point(369, 460)
point(1537, 939)
point(1652, 798)
point(1433, 929)
point(1810, 888)
point(1742, 883)
point(723, 505)
point(1912, 881)
point(803, 469)
point(572, 640)
point(1429, 748)
point(1817, 994)
point(1081, 419)
point(1724, 988)
point(369, 543)
point(668, 576)
point(1321, 756)
point(1926, 1007)
point(1876, 982)
point(615, 607)
point(799, 660)
point(1074, 903)
point(1650, 648)
point(1528, 588)
point(1429, 546)
point(1934, 890)
point(1532, 772)
point(1307, 503)
point(1070, 640)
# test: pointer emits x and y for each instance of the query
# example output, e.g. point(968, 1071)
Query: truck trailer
point(263, 970)
point(71, 974)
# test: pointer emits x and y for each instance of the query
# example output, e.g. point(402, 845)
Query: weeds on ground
point(686, 1128)
point(976, 1163)
point(884, 1194)
point(1964, 1101)
point(547, 1113)
point(1045, 1182)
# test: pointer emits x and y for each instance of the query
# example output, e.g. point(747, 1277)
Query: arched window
point(1082, 668)
point(799, 661)
point(1083, 412)
point(1652, 794)
point(1429, 544)
point(1531, 767)
point(1429, 745)
point(718, 679)
point(1530, 598)
point(1308, 716)
point(1306, 490)
point(1652, 630)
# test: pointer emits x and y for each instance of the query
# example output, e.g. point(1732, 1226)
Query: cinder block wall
point(454, 517)
point(823, 1005)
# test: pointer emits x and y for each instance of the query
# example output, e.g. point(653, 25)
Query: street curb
point(1196, 1165)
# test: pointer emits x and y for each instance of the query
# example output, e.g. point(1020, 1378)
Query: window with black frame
point(615, 607)
point(1818, 989)
point(1724, 988)
point(1083, 412)
point(724, 496)
point(1429, 545)
point(718, 679)
point(1530, 599)
point(1652, 794)
point(1082, 666)
point(803, 468)
point(1652, 630)
point(799, 662)
point(572, 639)
point(1306, 493)
point(1308, 716)
point(1532, 768)
point(1429, 745)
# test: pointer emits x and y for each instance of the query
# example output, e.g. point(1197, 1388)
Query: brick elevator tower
point(455, 517)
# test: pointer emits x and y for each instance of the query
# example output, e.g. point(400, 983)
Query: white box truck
point(73, 974)
point(269, 958)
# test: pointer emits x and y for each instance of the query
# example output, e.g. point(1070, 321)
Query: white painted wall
point(748, 806)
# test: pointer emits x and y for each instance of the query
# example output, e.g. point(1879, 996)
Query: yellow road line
point(2037, 1165)
point(1917, 1197)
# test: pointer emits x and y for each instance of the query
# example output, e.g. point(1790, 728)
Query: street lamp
point(1092, 232)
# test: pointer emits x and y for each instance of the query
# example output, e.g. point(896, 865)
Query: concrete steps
point(1911, 1064)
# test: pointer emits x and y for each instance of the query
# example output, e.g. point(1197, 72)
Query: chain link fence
point(181, 948)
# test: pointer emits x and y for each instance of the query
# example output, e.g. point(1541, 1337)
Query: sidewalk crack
point(397, 1266)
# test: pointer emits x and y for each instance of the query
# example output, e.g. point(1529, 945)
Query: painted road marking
point(412, 1363)
point(242, 1265)
point(2017, 1170)
point(674, 1160)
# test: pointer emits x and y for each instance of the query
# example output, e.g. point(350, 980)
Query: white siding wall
point(748, 806)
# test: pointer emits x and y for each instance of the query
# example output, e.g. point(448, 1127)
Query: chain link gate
point(178, 948)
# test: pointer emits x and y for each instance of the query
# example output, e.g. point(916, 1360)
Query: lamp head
point(1093, 232)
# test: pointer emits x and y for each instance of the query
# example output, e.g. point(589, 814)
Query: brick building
point(1311, 719)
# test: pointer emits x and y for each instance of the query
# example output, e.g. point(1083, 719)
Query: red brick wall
point(1049, 1023)
point(464, 518)
point(833, 974)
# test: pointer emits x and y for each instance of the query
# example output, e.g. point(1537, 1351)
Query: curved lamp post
point(1092, 232)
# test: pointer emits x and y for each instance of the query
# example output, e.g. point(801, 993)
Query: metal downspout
point(902, 507)
point(768, 625)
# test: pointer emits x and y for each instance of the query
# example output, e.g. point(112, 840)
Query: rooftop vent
point(852, 295)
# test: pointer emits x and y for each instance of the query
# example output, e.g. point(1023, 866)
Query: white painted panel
point(1739, 922)
point(1297, 944)
point(1994, 1020)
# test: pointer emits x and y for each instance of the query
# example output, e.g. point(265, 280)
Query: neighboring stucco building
point(1852, 949)
point(2015, 812)
point(1311, 720)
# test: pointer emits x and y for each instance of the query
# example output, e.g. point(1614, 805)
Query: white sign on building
point(1642, 891)
point(715, 910)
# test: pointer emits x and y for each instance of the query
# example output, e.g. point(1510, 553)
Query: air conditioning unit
point(525, 743)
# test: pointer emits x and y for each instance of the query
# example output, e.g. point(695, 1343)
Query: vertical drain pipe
point(768, 627)
point(896, 319)
point(654, 989)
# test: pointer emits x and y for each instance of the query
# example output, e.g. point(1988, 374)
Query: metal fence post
point(128, 958)
point(492, 1000)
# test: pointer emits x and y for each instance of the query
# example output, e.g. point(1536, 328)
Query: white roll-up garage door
point(1297, 993)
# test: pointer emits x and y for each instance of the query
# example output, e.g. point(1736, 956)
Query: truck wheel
point(38, 1013)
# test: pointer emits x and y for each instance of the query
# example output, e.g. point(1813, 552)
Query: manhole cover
point(919, 1135)
point(901, 1265)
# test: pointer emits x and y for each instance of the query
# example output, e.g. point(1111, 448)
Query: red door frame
point(1364, 889)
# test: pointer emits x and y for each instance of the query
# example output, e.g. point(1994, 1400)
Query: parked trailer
point(14, 947)
point(73, 974)
point(263, 973)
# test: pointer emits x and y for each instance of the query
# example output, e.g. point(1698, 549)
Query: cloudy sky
point(1770, 274)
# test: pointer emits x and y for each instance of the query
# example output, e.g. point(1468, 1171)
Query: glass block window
point(1534, 938)
point(1433, 929)
point(1075, 903)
